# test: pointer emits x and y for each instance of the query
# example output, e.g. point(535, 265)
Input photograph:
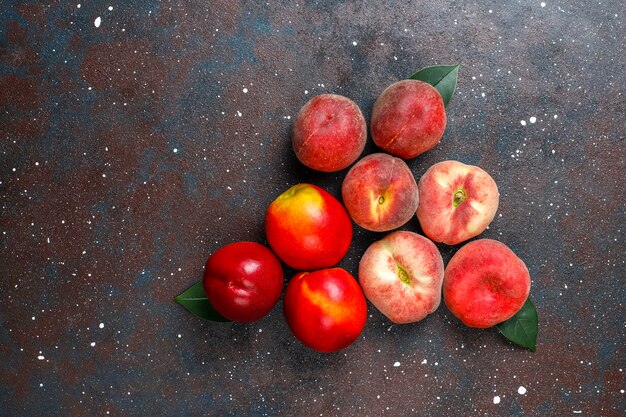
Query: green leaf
point(522, 328)
point(442, 77)
point(195, 300)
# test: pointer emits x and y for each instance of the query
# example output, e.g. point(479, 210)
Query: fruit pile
point(402, 275)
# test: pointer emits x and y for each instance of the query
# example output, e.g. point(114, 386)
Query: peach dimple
point(380, 192)
point(457, 202)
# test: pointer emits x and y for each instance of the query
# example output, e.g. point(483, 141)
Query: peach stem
point(459, 197)
point(403, 275)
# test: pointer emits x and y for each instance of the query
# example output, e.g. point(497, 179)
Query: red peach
point(408, 118)
point(457, 202)
point(485, 283)
point(401, 275)
point(329, 133)
point(380, 192)
point(308, 228)
point(243, 281)
point(325, 309)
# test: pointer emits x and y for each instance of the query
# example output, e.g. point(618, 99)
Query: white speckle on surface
point(543, 4)
point(92, 344)
point(532, 119)
point(396, 364)
point(110, 8)
point(424, 362)
point(306, 91)
point(496, 399)
point(482, 94)
point(175, 150)
point(33, 317)
point(41, 384)
point(180, 335)
point(245, 90)
point(101, 325)
point(97, 22)
point(40, 357)
point(78, 6)
point(239, 113)
point(354, 43)
point(521, 390)
point(553, 151)
point(523, 122)
point(555, 116)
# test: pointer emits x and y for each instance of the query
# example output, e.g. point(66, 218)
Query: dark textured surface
point(131, 151)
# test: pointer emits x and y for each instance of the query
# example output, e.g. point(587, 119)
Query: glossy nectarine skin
point(329, 133)
point(325, 309)
point(457, 202)
point(380, 192)
point(408, 118)
point(243, 281)
point(485, 283)
point(401, 275)
point(308, 228)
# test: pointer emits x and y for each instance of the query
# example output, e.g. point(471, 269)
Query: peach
point(408, 118)
point(380, 192)
point(329, 133)
point(457, 202)
point(485, 283)
point(401, 275)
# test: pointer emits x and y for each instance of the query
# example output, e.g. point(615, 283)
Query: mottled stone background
point(136, 138)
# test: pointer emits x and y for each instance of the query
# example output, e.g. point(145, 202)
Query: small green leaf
point(522, 328)
point(195, 300)
point(442, 77)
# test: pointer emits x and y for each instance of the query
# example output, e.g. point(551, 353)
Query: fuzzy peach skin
point(408, 118)
point(325, 309)
point(380, 192)
point(457, 202)
point(308, 228)
point(485, 283)
point(329, 133)
point(401, 275)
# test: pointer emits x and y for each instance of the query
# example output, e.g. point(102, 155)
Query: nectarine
point(243, 281)
point(308, 228)
point(325, 309)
